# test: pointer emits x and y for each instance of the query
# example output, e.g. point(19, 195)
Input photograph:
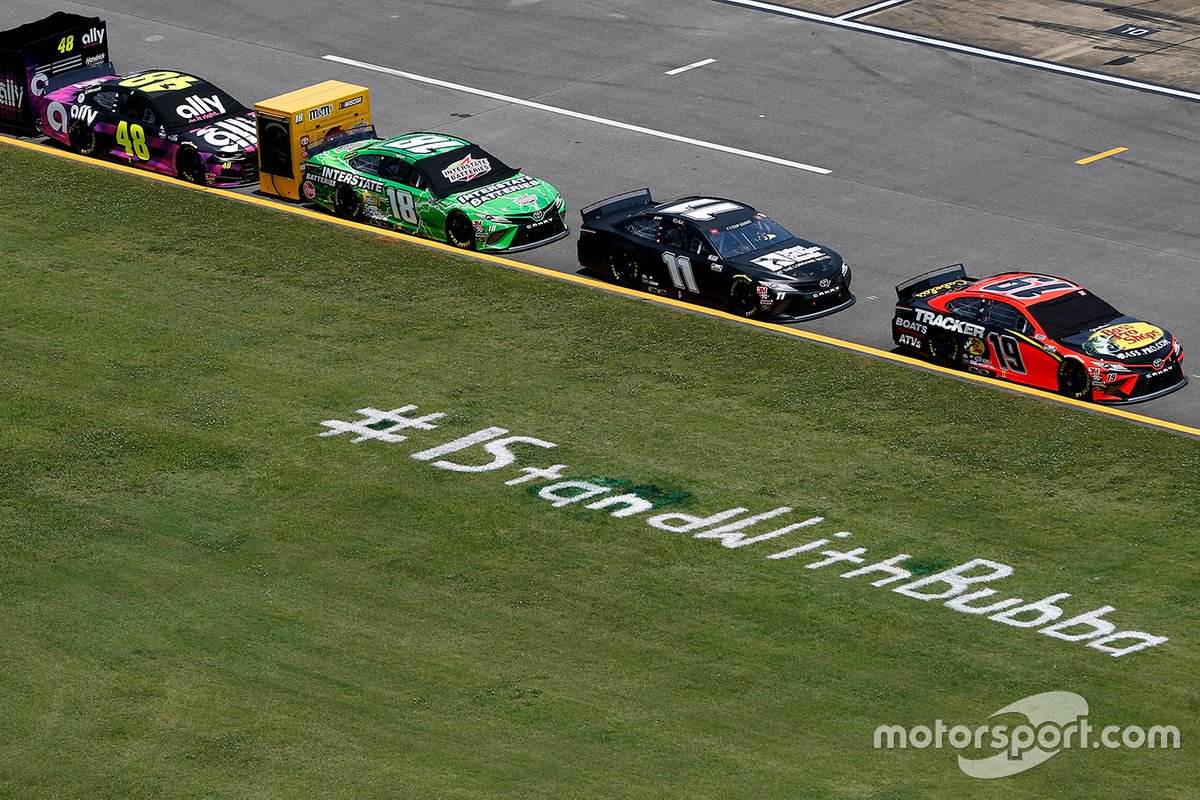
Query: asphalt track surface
point(933, 157)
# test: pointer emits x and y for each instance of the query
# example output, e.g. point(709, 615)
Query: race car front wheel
point(81, 138)
point(945, 348)
point(189, 167)
point(1073, 380)
point(460, 232)
point(743, 297)
point(346, 204)
point(624, 269)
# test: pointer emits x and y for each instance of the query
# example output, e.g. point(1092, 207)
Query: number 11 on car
point(680, 268)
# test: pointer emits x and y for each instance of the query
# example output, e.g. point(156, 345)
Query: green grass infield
point(203, 597)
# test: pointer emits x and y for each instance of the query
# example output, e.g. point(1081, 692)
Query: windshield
point(1073, 313)
point(746, 236)
point(200, 102)
point(462, 170)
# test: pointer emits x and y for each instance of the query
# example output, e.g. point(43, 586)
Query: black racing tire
point(743, 297)
point(945, 348)
point(347, 204)
point(1073, 380)
point(189, 167)
point(459, 231)
point(624, 269)
point(81, 139)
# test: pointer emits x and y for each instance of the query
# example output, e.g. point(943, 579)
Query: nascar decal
point(790, 257)
point(229, 135)
point(466, 170)
point(970, 587)
point(1121, 341)
point(481, 196)
point(949, 323)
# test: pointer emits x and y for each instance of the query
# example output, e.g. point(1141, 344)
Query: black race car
point(161, 120)
point(706, 247)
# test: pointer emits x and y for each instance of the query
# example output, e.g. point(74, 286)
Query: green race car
point(439, 187)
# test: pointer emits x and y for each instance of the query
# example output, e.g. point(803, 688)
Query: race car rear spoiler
point(634, 199)
point(929, 280)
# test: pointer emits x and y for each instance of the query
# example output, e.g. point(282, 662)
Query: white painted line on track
point(862, 12)
point(904, 36)
point(678, 70)
point(566, 112)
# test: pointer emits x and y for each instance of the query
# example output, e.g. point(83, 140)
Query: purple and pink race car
point(164, 121)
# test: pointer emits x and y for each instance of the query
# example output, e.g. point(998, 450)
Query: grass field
point(200, 597)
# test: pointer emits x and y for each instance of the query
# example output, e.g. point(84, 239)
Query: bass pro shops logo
point(1117, 339)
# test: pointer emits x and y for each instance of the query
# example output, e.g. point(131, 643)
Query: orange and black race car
point(1039, 331)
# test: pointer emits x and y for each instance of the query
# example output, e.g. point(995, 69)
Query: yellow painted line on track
point(842, 344)
point(1099, 156)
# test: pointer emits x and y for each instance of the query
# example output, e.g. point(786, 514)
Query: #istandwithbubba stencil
point(966, 588)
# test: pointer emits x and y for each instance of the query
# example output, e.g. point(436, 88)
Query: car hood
point(230, 136)
point(794, 259)
point(1125, 340)
point(519, 195)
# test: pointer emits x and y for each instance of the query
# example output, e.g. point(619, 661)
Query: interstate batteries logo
point(1026, 733)
point(467, 169)
point(1121, 338)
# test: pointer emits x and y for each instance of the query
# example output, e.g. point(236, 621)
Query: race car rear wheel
point(188, 166)
point(1073, 380)
point(460, 232)
point(945, 348)
point(743, 297)
point(81, 138)
point(346, 204)
point(624, 269)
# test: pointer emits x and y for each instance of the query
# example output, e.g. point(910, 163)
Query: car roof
point(392, 145)
point(1005, 286)
point(709, 210)
point(196, 80)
